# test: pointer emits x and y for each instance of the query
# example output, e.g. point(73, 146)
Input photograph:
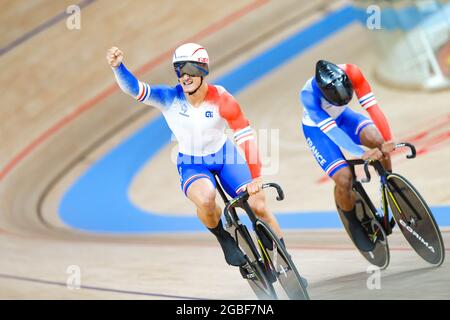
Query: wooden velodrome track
point(61, 112)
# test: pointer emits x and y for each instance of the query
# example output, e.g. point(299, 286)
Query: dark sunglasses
point(193, 69)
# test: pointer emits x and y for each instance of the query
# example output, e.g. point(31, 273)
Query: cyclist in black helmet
point(329, 125)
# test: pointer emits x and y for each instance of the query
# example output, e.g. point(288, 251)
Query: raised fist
point(114, 57)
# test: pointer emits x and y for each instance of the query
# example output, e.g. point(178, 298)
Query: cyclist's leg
point(259, 206)
point(343, 191)
point(198, 184)
point(234, 175)
point(346, 199)
point(332, 161)
point(203, 194)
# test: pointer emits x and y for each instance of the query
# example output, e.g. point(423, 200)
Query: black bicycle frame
point(384, 186)
point(241, 201)
point(232, 219)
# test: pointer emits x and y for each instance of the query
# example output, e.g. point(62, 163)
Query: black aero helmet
point(334, 83)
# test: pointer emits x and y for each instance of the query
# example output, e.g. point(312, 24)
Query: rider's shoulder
point(227, 104)
point(165, 94)
point(353, 71)
point(219, 93)
point(168, 88)
point(220, 89)
point(308, 85)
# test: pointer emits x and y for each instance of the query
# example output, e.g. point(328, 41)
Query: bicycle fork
point(265, 255)
point(385, 192)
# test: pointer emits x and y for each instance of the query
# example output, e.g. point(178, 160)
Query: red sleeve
point(367, 99)
point(243, 133)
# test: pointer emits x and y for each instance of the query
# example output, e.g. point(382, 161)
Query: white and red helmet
point(193, 53)
point(190, 52)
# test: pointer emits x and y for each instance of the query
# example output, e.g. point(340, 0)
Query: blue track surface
point(98, 200)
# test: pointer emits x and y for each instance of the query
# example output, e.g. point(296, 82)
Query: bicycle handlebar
point(366, 171)
point(280, 192)
point(372, 162)
point(244, 196)
point(410, 146)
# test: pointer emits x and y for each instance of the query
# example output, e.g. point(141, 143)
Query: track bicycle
point(409, 211)
point(267, 258)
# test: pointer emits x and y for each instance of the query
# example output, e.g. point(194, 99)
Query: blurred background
point(87, 177)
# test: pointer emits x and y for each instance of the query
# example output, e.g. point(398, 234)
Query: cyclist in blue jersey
point(198, 113)
point(329, 125)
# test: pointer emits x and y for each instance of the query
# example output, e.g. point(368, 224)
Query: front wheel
point(254, 273)
point(253, 270)
point(278, 261)
point(415, 219)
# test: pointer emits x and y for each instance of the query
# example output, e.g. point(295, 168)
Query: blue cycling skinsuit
point(204, 148)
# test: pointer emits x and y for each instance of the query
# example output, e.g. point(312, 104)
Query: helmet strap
point(193, 92)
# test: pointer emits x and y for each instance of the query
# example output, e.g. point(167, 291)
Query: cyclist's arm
point(158, 96)
point(327, 124)
point(367, 99)
point(243, 133)
point(130, 84)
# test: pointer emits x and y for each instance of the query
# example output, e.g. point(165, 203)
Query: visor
point(191, 68)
